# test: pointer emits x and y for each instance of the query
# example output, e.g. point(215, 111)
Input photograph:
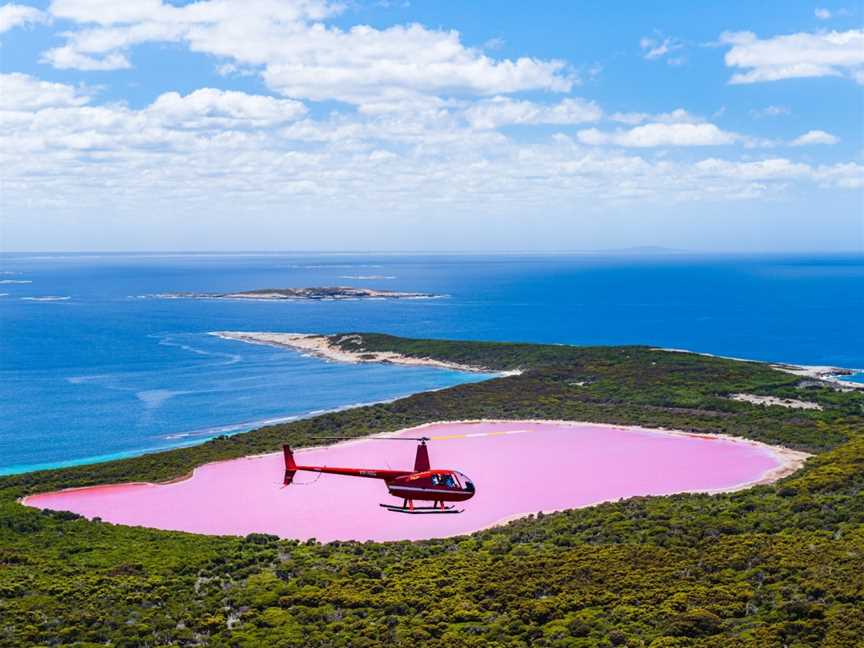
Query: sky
point(431, 126)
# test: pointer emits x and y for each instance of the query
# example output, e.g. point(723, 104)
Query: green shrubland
point(777, 565)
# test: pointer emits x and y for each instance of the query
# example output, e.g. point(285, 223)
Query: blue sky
point(310, 125)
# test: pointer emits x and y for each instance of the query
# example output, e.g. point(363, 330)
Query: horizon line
point(636, 250)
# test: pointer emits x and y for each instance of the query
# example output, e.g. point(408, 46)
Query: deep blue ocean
point(107, 373)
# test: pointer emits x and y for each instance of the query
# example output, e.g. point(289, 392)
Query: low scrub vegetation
point(777, 565)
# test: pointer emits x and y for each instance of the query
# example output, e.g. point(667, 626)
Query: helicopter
point(420, 484)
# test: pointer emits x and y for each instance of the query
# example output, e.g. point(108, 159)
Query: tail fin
point(421, 461)
point(290, 466)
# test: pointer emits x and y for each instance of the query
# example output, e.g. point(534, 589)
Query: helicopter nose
point(468, 486)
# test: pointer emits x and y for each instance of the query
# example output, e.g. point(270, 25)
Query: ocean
point(100, 370)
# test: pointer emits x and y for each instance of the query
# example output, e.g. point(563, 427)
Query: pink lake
point(520, 468)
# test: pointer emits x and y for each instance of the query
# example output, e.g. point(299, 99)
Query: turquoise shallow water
point(107, 373)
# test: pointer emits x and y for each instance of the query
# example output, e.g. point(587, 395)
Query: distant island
point(326, 292)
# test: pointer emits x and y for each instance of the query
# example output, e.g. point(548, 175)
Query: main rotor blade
point(345, 438)
point(442, 437)
point(473, 435)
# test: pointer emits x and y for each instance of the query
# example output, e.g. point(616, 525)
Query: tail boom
point(291, 469)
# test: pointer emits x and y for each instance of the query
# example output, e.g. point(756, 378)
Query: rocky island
point(319, 293)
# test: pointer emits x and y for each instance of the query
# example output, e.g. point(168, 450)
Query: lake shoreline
point(787, 462)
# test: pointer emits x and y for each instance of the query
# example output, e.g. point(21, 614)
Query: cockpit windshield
point(455, 480)
point(467, 483)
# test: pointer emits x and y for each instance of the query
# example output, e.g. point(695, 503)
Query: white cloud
point(47, 119)
point(826, 14)
point(298, 56)
point(846, 176)
point(209, 107)
point(677, 116)
point(501, 111)
point(399, 61)
point(655, 48)
point(770, 111)
point(815, 137)
point(494, 44)
point(420, 137)
point(23, 92)
point(656, 134)
point(111, 12)
point(843, 176)
point(246, 152)
point(66, 58)
point(769, 169)
point(795, 55)
point(15, 15)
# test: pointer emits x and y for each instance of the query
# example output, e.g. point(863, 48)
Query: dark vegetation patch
point(776, 565)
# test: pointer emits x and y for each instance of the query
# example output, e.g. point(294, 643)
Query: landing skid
point(418, 510)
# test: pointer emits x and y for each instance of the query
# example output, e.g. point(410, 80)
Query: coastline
point(193, 439)
point(319, 346)
point(826, 373)
point(314, 345)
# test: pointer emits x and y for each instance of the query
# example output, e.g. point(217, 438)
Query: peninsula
point(344, 348)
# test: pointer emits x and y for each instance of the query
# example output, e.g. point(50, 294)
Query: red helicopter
point(422, 483)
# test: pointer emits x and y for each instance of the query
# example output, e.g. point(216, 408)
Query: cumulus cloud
point(209, 107)
point(848, 176)
point(501, 111)
point(795, 55)
point(657, 134)
point(67, 58)
point(111, 12)
point(296, 54)
point(815, 137)
point(240, 151)
point(364, 62)
point(43, 119)
point(769, 169)
point(15, 15)
point(24, 92)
